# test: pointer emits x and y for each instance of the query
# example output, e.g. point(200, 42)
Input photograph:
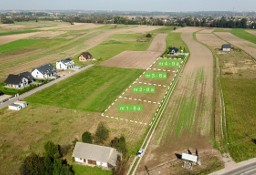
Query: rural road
point(33, 91)
point(243, 168)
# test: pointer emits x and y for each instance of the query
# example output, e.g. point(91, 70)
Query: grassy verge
point(91, 90)
point(240, 96)
point(241, 33)
point(82, 170)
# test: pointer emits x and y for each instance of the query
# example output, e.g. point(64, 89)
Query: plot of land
point(187, 120)
point(247, 46)
point(97, 88)
point(10, 38)
point(139, 59)
point(237, 80)
point(211, 39)
point(251, 31)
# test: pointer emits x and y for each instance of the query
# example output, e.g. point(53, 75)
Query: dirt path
point(251, 32)
point(187, 121)
point(248, 47)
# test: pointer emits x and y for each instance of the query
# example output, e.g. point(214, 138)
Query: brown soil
point(207, 31)
point(165, 142)
point(210, 39)
point(139, 59)
point(10, 38)
point(251, 32)
point(76, 26)
point(247, 46)
point(133, 59)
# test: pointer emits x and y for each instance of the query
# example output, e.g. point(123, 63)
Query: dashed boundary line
point(133, 121)
point(159, 85)
point(137, 99)
point(123, 119)
point(163, 70)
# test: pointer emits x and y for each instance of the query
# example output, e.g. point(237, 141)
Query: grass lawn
point(92, 90)
point(28, 44)
point(174, 40)
point(240, 97)
point(117, 44)
point(28, 130)
point(83, 170)
point(241, 33)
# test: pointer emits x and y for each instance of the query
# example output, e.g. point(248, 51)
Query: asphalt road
point(247, 167)
point(22, 96)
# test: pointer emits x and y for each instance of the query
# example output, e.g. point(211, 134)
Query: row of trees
point(51, 163)
point(100, 137)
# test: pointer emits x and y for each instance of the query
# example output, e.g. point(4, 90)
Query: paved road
point(12, 100)
point(243, 168)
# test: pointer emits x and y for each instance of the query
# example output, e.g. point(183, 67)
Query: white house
point(46, 71)
point(226, 47)
point(16, 81)
point(65, 64)
point(95, 155)
point(14, 107)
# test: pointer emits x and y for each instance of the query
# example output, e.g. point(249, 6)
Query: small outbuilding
point(85, 56)
point(65, 64)
point(14, 107)
point(95, 155)
point(226, 47)
point(22, 104)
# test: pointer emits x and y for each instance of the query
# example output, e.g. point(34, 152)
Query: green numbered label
point(168, 63)
point(130, 108)
point(143, 89)
point(156, 75)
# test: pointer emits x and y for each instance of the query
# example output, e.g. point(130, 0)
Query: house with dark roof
point(85, 56)
point(65, 64)
point(46, 71)
point(172, 50)
point(95, 155)
point(226, 47)
point(16, 81)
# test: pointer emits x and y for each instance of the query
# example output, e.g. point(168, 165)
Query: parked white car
point(140, 152)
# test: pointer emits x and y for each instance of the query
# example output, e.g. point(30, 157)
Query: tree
point(120, 145)
point(33, 165)
point(87, 137)
point(52, 150)
point(149, 35)
point(102, 133)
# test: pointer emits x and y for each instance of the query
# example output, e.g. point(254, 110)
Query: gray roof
point(45, 69)
point(66, 60)
point(14, 79)
point(27, 75)
point(96, 153)
point(226, 46)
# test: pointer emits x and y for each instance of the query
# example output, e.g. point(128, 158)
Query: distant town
point(204, 19)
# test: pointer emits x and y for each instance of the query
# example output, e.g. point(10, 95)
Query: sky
point(131, 5)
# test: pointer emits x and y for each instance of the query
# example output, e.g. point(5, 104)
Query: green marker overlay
point(143, 89)
point(130, 108)
point(156, 75)
point(168, 63)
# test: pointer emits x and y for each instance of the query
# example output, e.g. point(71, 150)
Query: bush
point(149, 35)
point(102, 133)
point(87, 137)
point(120, 145)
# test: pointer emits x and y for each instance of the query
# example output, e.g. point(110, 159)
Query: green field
point(117, 44)
point(83, 170)
point(91, 90)
point(17, 32)
point(174, 40)
point(241, 33)
point(240, 97)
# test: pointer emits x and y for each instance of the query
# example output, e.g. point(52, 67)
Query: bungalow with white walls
point(46, 71)
point(65, 64)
